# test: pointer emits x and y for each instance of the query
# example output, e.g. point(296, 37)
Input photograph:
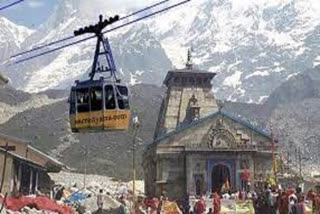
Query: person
point(270, 201)
point(226, 185)
point(245, 177)
point(110, 101)
point(283, 203)
point(299, 208)
point(210, 211)
point(186, 204)
point(317, 203)
point(292, 202)
point(100, 201)
point(240, 195)
point(216, 203)
point(59, 194)
point(200, 206)
point(123, 207)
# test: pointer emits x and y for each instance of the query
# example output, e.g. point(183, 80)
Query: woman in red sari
point(216, 203)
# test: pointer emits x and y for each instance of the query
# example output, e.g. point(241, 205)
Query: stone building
point(23, 168)
point(198, 147)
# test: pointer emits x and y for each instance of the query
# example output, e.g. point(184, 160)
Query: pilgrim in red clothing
point(245, 177)
point(216, 203)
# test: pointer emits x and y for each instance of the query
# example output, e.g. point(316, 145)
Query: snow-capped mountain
point(254, 46)
point(11, 37)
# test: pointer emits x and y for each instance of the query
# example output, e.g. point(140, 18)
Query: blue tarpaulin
point(76, 198)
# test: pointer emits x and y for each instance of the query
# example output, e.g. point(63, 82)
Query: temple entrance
point(220, 178)
point(199, 184)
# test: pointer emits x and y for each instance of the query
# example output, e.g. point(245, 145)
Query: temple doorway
point(199, 184)
point(220, 178)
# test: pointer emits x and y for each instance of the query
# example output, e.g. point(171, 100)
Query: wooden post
point(86, 152)
point(300, 170)
point(31, 182)
point(37, 181)
point(4, 167)
point(19, 178)
point(136, 125)
point(273, 155)
point(288, 155)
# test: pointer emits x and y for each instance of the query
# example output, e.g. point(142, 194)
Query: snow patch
point(19, 33)
point(134, 77)
point(316, 61)
point(262, 99)
point(292, 75)
point(233, 80)
point(258, 73)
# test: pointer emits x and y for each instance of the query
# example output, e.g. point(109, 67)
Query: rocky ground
point(112, 188)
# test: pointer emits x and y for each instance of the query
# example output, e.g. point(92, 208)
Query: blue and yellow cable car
point(100, 104)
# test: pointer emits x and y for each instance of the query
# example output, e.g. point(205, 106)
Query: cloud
point(35, 3)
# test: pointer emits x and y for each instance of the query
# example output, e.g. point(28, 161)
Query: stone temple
point(197, 146)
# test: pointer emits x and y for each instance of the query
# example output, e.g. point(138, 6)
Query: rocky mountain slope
point(12, 37)
point(291, 109)
point(109, 153)
point(253, 45)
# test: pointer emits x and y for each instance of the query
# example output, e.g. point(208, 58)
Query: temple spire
point(189, 63)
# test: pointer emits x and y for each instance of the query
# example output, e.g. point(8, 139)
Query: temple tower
point(189, 97)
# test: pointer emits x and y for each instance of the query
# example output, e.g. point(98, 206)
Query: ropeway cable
point(107, 31)
point(10, 5)
point(71, 37)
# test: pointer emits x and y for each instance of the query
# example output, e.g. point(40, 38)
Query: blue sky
point(30, 13)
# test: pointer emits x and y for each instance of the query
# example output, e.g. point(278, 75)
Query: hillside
point(292, 109)
point(109, 153)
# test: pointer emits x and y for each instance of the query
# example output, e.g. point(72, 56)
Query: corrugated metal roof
point(53, 160)
point(19, 140)
point(23, 159)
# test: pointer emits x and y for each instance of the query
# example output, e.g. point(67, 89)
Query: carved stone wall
point(186, 158)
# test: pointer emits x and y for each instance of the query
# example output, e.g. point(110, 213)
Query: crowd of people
point(287, 201)
point(266, 201)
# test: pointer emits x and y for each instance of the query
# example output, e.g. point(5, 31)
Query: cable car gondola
point(100, 104)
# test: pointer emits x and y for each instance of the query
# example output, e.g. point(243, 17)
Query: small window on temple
point(176, 79)
point(191, 80)
point(199, 80)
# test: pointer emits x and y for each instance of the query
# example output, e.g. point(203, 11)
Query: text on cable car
point(102, 119)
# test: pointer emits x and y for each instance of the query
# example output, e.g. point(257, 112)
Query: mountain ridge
point(253, 46)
